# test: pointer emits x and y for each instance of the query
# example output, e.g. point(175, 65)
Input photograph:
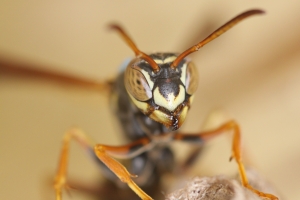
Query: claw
point(133, 175)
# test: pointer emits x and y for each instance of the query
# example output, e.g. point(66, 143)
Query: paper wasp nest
point(221, 188)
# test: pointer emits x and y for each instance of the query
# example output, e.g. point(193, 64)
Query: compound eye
point(137, 85)
point(192, 79)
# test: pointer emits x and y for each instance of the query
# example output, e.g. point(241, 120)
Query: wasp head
point(165, 95)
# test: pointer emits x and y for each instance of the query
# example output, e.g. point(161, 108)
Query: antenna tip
point(114, 26)
point(255, 11)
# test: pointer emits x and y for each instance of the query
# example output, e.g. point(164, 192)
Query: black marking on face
point(168, 86)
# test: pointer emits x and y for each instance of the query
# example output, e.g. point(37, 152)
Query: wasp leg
point(105, 153)
point(193, 155)
point(8, 66)
point(236, 150)
point(60, 178)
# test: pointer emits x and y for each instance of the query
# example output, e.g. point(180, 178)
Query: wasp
point(151, 99)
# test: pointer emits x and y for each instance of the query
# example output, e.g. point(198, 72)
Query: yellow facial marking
point(161, 117)
point(147, 76)
point(171, 102)
point(183, 115)
point(170, 59)
point(141, 105)
point(159, 61)
point(183, 74)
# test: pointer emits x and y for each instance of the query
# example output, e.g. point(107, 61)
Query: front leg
point(104, 153)
point(236, 150)
point(60, 178)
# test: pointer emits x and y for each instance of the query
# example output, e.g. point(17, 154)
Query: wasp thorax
point(164, 96)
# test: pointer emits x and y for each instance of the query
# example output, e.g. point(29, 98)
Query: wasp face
point(164, 96)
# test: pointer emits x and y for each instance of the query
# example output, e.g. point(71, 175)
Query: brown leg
point(9, 66)
point(104, 153)
point(190, 159)
point(236, 150)
point(60, 178)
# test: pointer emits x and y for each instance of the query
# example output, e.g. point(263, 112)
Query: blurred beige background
point(252, 72)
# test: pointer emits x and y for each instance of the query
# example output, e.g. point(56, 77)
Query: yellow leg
point(236, 150)
point(117, 168)
point(102, 152)
point(60, 178)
